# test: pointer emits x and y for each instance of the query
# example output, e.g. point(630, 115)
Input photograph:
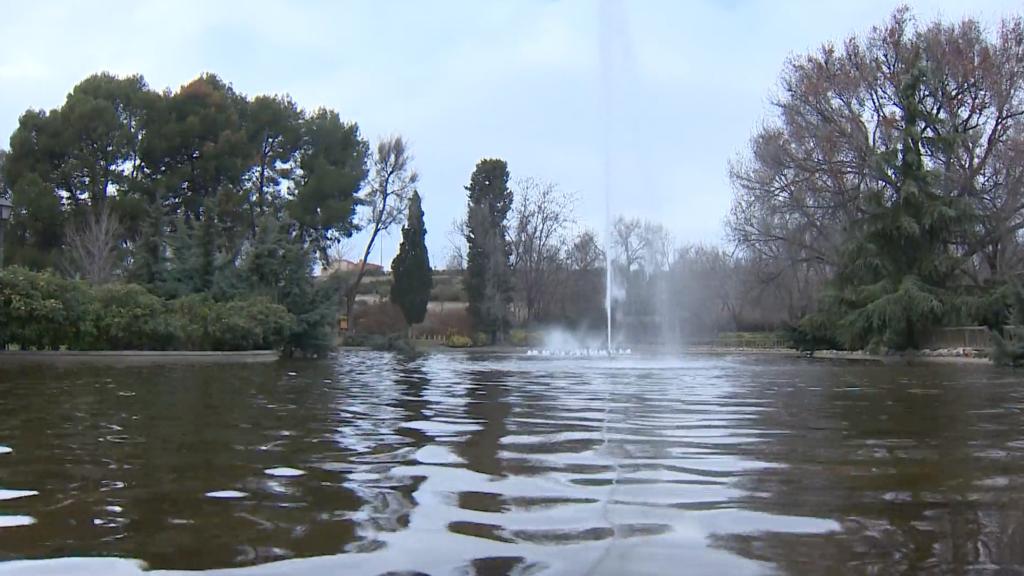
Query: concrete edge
point(134, 357)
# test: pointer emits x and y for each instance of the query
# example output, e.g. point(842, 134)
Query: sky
point(645, 100)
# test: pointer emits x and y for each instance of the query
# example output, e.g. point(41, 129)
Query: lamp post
point(6, 207)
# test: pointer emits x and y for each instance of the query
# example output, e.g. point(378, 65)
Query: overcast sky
point(675, 87)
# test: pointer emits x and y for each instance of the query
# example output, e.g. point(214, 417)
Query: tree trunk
point(350, 294)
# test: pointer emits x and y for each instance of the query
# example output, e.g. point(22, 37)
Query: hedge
point(43, 311)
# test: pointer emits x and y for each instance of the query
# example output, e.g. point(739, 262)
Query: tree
point(333, 167)
point(411, 276)
point(387, 197)
point(174, 189)
point(488, 279)
point(92, 249)
point(197, 144)
point(580, 296)
point(274, 128)
point(1010, 351)
point(630, 242)
point(457, 234)
point(540, 218)
point(279, 269)
point(896, 276)
point(810, 170)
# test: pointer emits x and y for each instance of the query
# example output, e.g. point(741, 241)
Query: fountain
point(612, 55)
point(611, 50)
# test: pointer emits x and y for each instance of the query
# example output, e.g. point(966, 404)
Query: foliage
point(1008, 343)
point(519, 337)
point(333, 167)
point(446, 321)
point(130, 318)
point(884, 194)
point(45, 312)
point(445, 290)
point(459, 341)
point(392, 185)
point(895, 274)
point(412, 278)
point(382, 319)
point(488, 280)
point(188, 192)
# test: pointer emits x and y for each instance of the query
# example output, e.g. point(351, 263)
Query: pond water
point(509, 464)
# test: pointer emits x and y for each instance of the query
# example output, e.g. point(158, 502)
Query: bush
point(450, 319)
point(519, 338)
point(193, 313)
point(447, 292)
point(458, 341)
point(253, 324)
point(130, 318)
point(42, 311)
point(382, 319)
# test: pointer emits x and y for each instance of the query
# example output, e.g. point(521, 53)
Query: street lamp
point(6, 207)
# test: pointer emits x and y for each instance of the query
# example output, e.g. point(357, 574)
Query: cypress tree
point(411, 276)
point(488, 272)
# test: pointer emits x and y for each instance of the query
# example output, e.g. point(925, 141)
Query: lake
point(468, 463)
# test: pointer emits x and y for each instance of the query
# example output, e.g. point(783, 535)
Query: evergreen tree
point(411, 276)
point(278, 268)
point(1008, 340)
point(488, 272)
point(896, 279)
point(205, 248)
point(149, 262)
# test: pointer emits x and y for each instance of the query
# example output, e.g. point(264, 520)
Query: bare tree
point(657, 247)
point(92, 248)
point(540, 219)
point(457, 245)
point(585, 253)
point(340, 250)
point(630, 242)
point(387, 197)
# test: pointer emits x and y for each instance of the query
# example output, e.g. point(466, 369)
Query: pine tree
point(488, 272)
point(411, 276)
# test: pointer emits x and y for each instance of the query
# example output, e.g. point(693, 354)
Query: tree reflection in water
point(923, 467)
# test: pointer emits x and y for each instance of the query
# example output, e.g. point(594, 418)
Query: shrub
point(193, 314)
point(130, 318)
point(382, 319)
point(458, 341)
point(253, 324)
point(447, 292)
point(519, 338)
point(450, 319)
point(43, 311)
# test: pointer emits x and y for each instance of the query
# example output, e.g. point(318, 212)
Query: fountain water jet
point(613, 54)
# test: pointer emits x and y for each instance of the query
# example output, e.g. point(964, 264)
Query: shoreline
point(919, 358)
point(831, 355)
point(135, 357)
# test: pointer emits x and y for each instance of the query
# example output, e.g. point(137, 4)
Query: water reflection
point(468, 464)
point(916, 463)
